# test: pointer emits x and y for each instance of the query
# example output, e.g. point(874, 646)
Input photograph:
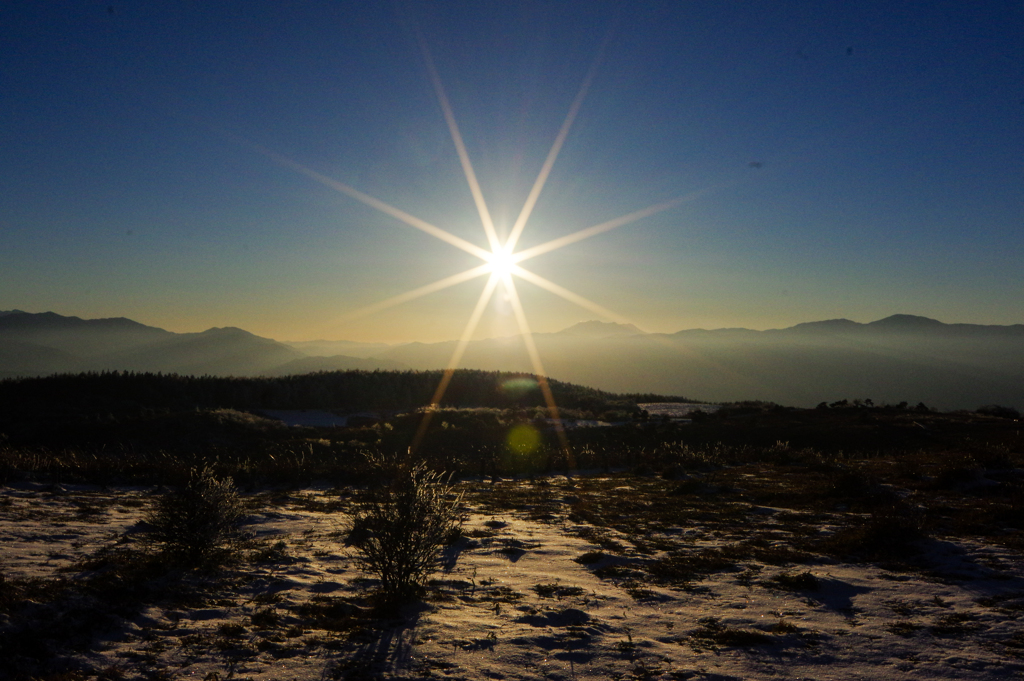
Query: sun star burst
point(502, 262)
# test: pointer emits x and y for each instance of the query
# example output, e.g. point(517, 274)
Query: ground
point(752, 571)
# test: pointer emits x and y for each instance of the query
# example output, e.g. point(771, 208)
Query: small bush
point(232, 629)
point(955, 624)
point(264, 618)
point(849, 484)
point(197, 523)
point(330, 614)
point(999, 411)
point(956, 472)
point(556, 590)
point(783, 627)
point(401, 528)
point(889, 533)
point(590, 557)
point(713, 631)
point(637, 591)
point(681, 567)
point(789, 581)
point(903, 628)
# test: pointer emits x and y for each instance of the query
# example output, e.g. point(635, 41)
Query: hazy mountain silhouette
point(827, 326)
point(326, 348)
point(217, 351)
point(595, 329)
point(899, 358)
point(29, 359)
point(78, 337)
point(46, 343)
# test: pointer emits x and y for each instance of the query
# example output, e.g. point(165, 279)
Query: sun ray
point(560, 242)
point(501, 260)
point(460, 148)
point(467, 334)
point(549, 162)
point(438, 285)
point(373, 202)
point(538, 366)
point(548, 285)
point(453, 363)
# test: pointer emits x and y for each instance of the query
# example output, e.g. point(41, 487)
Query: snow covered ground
point(677, 410)
point(309, 418)
point(529, 592)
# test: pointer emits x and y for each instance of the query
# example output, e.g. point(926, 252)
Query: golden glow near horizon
point(501, 262)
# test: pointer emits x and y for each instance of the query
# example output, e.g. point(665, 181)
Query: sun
point(502, 264)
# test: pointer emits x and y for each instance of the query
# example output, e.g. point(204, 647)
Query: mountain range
point(899, 358)
point(47, 343)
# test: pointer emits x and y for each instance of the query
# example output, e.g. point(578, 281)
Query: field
point(758, 542)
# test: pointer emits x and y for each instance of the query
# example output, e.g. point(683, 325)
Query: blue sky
point(840, 160)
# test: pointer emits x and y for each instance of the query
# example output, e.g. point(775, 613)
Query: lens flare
point(523, 439)
point(518, 387)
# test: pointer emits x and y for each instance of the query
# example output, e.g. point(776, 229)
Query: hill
point(901, 358)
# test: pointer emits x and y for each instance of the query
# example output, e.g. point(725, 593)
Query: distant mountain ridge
point(899, 358)
point(47, 343)
point(326, 348)
point(598, 329)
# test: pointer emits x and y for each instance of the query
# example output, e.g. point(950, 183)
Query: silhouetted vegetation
point(147, 443)
point(758, 494)
point(137, 412)
point(123, 393)
point(195, 525)
point(998, 411)
point(402, 525)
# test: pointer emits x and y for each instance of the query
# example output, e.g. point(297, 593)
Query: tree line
point(125, 392)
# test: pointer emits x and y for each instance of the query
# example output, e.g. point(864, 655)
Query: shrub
point(849, 484)
point(713, 631)
point(999, 411)
point(891, 532)
point(402, 526)
point(590, 557)
point(197, 523)
point(803, 581)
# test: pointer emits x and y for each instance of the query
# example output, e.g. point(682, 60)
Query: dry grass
point(772, 522)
